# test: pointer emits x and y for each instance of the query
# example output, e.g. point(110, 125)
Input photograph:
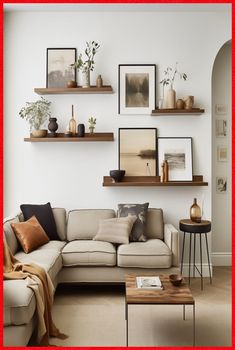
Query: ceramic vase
point(52, 127)
point(99, 81)
point(86, 79)
point(195, 212)
point(81, 130)
point(171, 98)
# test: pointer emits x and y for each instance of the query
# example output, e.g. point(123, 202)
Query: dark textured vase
point(52, 127)
point(81, 130)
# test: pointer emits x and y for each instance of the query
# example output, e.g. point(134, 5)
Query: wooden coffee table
point(169, 295)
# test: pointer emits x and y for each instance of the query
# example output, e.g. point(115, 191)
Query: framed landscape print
point(222, 153)
point(221, 127)
point(178, 152)
point(137, 88)
point(59, 71)
point(137, 151)
point(221, 184)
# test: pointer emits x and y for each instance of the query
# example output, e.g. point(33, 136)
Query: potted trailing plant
point(36, 113)
point(92, 124)
point(170, 75)
point(87, 64)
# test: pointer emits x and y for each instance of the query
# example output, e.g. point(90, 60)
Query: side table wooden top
point(188, 225)
point(168, 295)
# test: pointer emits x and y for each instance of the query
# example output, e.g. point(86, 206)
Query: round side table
point(194, 229)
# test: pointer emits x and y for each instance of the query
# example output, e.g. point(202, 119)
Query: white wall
point(221, 202)
point(70, 174)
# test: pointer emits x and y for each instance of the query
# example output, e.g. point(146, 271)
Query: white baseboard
point(221, 259)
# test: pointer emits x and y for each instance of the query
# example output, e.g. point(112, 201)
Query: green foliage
point(171, 74)
point(36, 113)
point(89, 63)
point(92, 122)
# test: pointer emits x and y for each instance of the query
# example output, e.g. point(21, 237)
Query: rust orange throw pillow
point(30, 234)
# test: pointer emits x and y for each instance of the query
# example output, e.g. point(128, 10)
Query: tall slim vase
point(171, 98)
point(86, 79)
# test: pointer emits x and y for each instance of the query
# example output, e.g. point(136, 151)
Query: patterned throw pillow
point(140, 211)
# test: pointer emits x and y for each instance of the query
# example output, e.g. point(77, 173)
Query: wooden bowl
point(176, 280)
point(117, 175)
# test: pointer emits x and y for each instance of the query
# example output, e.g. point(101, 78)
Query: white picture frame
point(220, 108)
point(178, 152)
point(221, 184)
point(136, 88)
point(222, 153)
point(221, 127)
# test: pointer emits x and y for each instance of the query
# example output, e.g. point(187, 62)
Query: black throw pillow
point(44, 214)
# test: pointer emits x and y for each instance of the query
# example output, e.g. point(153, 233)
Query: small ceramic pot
point(39, 133)
point(81, 130)
point(71, 84)
point(180, 104)
point(189, 101)
point(117, 175)
point(52, 127)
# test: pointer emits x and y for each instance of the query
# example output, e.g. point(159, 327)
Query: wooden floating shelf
point(105, 89)
point(147, 181)
point(102, 136)
point(170, 111)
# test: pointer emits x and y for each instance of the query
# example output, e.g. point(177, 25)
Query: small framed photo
point(137, 151)
point(136, 88)
point(222, 153)
point(221, 127)
point(220, 109)
point(59, 71)
point(221, 184)
point(178, 152)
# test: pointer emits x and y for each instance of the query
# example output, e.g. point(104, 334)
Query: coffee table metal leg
point(194, 248)
point(194, 326)
point(184, 312)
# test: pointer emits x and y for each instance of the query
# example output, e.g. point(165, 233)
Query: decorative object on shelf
point(99, 81)
point(148, 170)
point(68, 134)
point(221, 127)
point(52, 127)
point(170, 75)
point(73, 124)
point(180, 104)
point(87, 65)
point(71, 84)
point(195, 212)
point(166, 171)
point(189, 101)
point(178, 152)
point(220, 108)
point(92, 124)
point(81, 130)
point(36, 113)
point(136, 88)
point(117, 175)
point(162, 176)
point(137, 148)
point(221, 184)
point(176, 280)
point(59, 71)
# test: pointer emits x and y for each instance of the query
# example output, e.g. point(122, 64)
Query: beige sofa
point(77, 258)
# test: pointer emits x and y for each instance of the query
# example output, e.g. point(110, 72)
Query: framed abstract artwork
point(178, 152)
point(137, 151)
point(136, 88)
point(59, 71)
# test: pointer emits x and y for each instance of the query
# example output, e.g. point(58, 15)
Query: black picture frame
point(136, 88)
point(178, 151)
point(58, 70)
point(137, 151)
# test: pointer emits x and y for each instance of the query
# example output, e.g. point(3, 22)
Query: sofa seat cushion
point(49, 259)
point(53, 245)
point(153, 253)
point(19, 302)
point(89, 252)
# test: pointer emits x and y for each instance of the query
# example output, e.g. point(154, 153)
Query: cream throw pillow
point(116, 230)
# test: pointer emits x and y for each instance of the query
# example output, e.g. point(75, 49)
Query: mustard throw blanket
point(39, 281)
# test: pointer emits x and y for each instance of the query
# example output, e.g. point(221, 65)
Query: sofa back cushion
point(10, 235)
point(154, 224)
point(84, 223)
point(60, 221)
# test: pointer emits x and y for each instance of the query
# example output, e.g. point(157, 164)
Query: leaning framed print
point(178, 152)
point(58, 69)
point(137, 151)
point(136, 88)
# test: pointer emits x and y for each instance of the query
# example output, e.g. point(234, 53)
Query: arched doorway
point(222, 156)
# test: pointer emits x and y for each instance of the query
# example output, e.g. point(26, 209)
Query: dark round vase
point(52, 127)
point(81, 130)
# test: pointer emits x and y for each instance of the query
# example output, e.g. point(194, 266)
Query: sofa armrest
point(171, 238)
